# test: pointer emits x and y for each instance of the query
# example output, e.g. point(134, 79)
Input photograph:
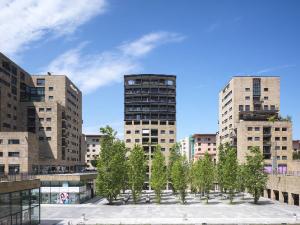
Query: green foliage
point(180, 176)
point(173, 157)
point(208, 173)
point(94, 162)
point(296, 155)
point(230, 171)
point(220, 165)
point(241, 178)
point(111, 165)
point(136, 171)
point(158, 178)
point(256, 178)
point(272, 119)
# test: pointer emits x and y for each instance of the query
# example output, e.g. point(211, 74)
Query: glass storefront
point(65, 192)
point(20, 208)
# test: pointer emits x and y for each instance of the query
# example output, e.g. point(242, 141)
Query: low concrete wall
point(280, 186)
point(12, 186)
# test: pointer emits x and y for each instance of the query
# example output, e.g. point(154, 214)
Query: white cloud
point(275, 68)
point(92, 71)
point(22, 22)
point(148, 42)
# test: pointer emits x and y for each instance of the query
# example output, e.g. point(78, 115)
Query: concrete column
point(272, 195)
point(291, 199)
point(265, 193)
point(281, 199)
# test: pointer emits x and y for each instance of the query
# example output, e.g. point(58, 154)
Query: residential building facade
point(186, 148)
point(205, 143)
point(150, 114)
point(40, 121)
point(249, 116)
point(93, 148)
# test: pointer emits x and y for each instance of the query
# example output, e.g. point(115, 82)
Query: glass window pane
point(35, 197)
point(45, 198)
point(4, 205)
point(15, 202)
point(35, 215)
point(25, 199)
point(25, 217)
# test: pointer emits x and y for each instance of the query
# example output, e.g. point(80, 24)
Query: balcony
point(258, 115)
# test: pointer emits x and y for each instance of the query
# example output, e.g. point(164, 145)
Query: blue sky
point(204, 43)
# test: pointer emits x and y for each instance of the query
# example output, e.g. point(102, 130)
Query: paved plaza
point(217, 211)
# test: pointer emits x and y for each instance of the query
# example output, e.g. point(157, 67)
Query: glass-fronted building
point(65, 192)
point(72, 188)
point(20, 202)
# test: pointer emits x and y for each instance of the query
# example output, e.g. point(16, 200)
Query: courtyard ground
point(217, 211)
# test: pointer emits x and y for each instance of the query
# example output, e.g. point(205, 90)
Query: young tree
point(197, 176)
point(220, 166)
point(230, 172)
point(136, 171)
point(207, 173)
point(158, 178)
point(241, 178)
point(174, 156)
point(111, 165)
point(180, 176)
point(256, 178)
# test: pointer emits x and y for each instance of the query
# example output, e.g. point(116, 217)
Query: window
point(272, 107)
point(277, 138)
point(284, 138)
point(256, 128)
point(51, 89)
point(256, 138)
point(247, 98)
point(266, 89)
point(247, 108)
point(48, 138)
point(50, 98)
point(169, 82)
point(247, 89)
point(171, 140)
point(48, 128)
point(136, 131)
point(241, 108)
point(13, 141)
point(41, 110)
point(128, 132)
point(48, 109)
point(277, 128)
point(249, 138)
point(284, 129)
point(137, 140)
point(13, 154)
point(162, 132)
point(171, 131)
point(277, 147)
point(48, 119)
point(249, 128)
point(266, 107)
point(1, 154)
point(128, 140)
point(284, 148)
point(266, 98)
point(284, 157)
point(40, 82)
point(162, 140)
